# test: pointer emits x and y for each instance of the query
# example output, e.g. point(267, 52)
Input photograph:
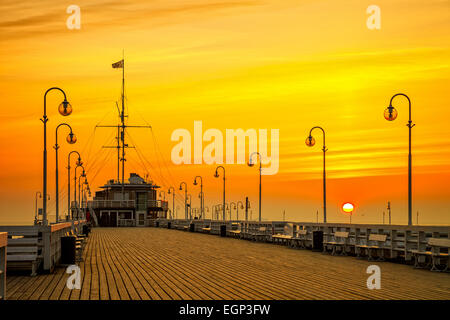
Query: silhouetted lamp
point(71, 138)
point(65, 108)
point(251, 164)
point(310, 141)
point(390, 113)
point(216, 175)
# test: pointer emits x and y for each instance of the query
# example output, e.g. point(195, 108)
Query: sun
point(347, 207)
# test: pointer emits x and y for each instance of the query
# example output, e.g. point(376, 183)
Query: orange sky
point(286, 65)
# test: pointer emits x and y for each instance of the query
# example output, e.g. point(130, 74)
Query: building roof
point(134, 182)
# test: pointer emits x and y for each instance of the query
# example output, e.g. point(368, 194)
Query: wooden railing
point(401, 241)
point(126, 204)
point(45, 239)
point(3, 244)
point(126, 223)
point(112, 203)
point(52, 243)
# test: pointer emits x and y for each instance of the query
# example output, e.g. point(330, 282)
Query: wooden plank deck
point(154, 263)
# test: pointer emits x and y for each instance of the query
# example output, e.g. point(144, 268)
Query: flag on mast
point(118, 64)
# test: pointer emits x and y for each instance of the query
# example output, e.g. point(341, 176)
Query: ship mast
point(121, 127)
point(122, 118)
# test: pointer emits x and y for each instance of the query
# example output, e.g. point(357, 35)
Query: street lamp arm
point(217, 169)
point(258, 156)
point(77, 167)
point(409, 102)
point(63, 124)
point(323, 131)
point(71, 152)
point(195, 179)
point(56, 133)
point(45, 99)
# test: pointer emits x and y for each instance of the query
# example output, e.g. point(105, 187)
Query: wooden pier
point(37, 246)
point(158, 263)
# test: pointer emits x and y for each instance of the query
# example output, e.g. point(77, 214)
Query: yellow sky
point(286, 65)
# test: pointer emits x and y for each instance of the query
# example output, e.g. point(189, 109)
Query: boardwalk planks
point(152, 263)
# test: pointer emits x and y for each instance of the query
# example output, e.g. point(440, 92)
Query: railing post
point(3, 243)
point(408, 244)
point(47, 247)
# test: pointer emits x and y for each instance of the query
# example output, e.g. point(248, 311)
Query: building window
point(125, 215)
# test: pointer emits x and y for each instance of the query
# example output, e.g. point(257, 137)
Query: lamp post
point(75, 185)
point(216, 210)
point(237, 211)
point(173, 200)
point(185, 198)
point(78, 163)
point(226, 209)
point(71, 139)
point(247, 206)
point(310, 141)
point(36, 205)
point(206, 209)
point(216, 175)
point(201, 193)
point(190, 206)
point(36, 219)
point(64, 109)
point(231, 207)
point(83, 175)
point(390, 114)
point(389, 211)
point(84, 197)
point(201, 196)
point(250, 164)
point(220, 208)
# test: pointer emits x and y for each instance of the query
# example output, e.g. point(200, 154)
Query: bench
point(436, 244)
point(259, 234)
point(80, 243)
point(299, 240)
point(3, 244)
point(286, 236)
point(340, 241)
point(235, 230)
point(281, 238)
point(376, 243)
point(24, 251)
point(206, 229)
point(234, 233)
